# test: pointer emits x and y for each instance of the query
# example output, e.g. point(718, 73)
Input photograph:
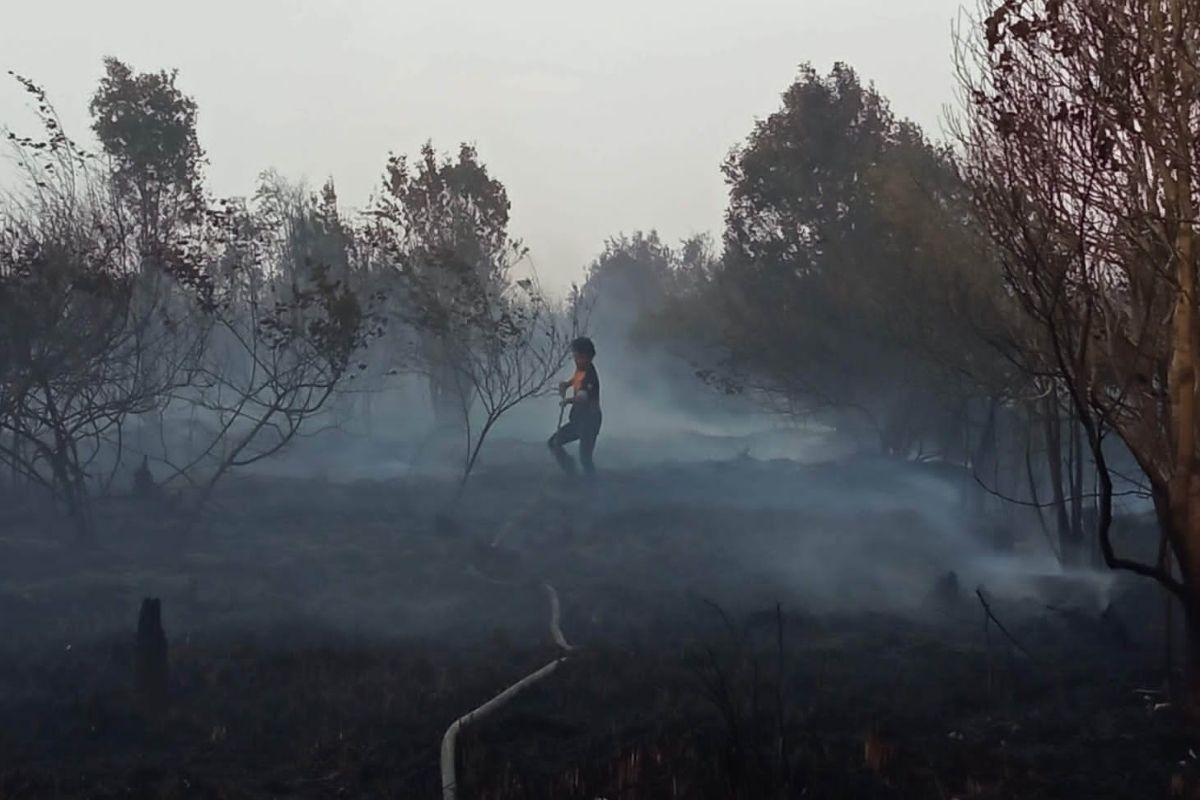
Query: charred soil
point(744, 630)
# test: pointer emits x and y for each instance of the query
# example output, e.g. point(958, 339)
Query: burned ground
point(745, 629)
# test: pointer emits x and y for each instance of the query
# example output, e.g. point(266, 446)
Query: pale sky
point(599, 117)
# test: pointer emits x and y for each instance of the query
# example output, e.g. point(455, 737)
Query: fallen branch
point(987, 609)
point(450, 739)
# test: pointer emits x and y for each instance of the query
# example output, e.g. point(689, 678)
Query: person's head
point(583, 350)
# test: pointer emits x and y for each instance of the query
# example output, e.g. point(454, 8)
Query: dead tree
point(1080, 137)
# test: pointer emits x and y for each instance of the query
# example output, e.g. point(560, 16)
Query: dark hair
point(584, 346)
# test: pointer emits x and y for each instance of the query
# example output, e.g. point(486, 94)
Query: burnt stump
point(150, 660)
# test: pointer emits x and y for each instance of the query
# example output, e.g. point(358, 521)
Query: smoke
point(768, 507)
point(835, 531)
point(699, 495)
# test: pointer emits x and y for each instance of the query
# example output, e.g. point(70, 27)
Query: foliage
point(281, 338)
point(147, 128)
point(127, 298)
point(441, 226)
point(485, 341)
point(84, 345)
point(852, 273)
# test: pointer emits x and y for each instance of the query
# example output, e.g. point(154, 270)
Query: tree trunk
point(150, 662)
point(368, 412)
point(1054, 449)
point(1183, 528)
point(1191, 690)
point(1178, 181)
point(985, 454)
point(1033, 488)
point(1077, 551)
point(446, 393)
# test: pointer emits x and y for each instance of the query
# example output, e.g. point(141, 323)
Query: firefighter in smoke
point(583, 422)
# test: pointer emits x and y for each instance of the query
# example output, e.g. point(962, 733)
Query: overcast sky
point(599, 117)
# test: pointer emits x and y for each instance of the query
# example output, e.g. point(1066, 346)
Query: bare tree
point(278, 342)
point(127, 297)
point(1080, 138)
point(85, 340)
point(504, 344)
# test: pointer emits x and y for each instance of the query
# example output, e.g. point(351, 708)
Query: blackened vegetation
point(1006, 336)
point(709, 662)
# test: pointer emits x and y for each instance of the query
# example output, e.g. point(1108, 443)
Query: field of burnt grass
point(743, 630)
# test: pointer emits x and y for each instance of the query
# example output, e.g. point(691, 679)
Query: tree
point(504, 350)
point(147, 128)
point(1080, 140)
point(81, 350)
point(278, 340)
point(486, 341)
point(852, 273)
point(115, 310)
point(630, 279)
point(442, 225)
point(637, 292)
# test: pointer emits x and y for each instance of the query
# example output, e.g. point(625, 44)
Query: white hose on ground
point(450, 739)
point(555, 631)
point(449, 769)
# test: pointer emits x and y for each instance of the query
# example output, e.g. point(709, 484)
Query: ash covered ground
point(755, 616)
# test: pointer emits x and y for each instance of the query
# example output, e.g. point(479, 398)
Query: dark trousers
point(585, 432)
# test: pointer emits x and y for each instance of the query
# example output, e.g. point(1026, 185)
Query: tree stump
point(150, 662)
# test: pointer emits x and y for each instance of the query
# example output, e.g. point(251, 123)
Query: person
point(583, 422)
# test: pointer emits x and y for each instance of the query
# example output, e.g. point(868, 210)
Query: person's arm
point(589, 388)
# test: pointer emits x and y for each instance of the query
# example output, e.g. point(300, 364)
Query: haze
point(299, 500)
point(599, 118)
